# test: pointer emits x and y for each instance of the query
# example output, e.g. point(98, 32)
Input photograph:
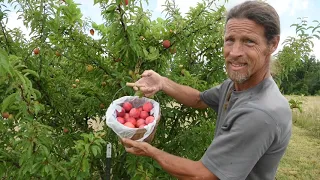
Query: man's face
point(245, 50)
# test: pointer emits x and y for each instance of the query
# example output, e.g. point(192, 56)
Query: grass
point(309, 118)
point(302, 158)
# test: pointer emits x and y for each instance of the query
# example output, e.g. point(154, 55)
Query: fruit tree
point(56, 85)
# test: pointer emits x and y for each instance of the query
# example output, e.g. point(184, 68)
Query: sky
point(288, 10)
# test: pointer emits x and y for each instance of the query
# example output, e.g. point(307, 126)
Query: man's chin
point(239, 80)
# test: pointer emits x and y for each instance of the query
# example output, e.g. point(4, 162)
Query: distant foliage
point(297, 70)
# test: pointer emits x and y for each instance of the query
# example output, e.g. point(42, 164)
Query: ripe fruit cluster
point(135, 117)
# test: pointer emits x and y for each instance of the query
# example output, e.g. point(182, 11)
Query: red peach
point(140, 121)
point(132, 120)
point(121, 113)
point(134, 112)
point(144, 114)
point(129, 124)
point(149, 119)
point(127, 106)
point(147, 106)
point(5, 115)
point(36, 51)
point(166, 44)
point(92, 32)
point(65, 130)
point(126, 116)
point(121, 120)
point(142, 126)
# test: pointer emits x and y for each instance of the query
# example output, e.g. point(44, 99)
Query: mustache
point(241, 61)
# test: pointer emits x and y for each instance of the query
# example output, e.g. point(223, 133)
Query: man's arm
point(151, 82)
point(183, 94)
point(178, 167)
point(182, 168)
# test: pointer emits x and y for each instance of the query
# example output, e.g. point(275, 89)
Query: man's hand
point(137, 148)
point(178, 167)
point(149, 83)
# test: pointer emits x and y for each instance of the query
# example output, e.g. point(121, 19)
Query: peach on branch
point(166, 44)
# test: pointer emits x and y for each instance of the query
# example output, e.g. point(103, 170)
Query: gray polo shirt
point(252, 132)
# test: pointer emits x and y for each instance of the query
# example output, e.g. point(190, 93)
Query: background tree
point(296, 69)
point(55, 87)
point(304, 80)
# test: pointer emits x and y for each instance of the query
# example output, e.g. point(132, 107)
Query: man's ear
point(274, 44)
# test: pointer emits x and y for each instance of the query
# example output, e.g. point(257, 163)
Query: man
point(254, 120)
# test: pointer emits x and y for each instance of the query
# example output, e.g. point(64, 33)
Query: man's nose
point(236, 50)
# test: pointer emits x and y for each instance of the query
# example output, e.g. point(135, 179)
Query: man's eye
point(229, 40)
point(249, 41)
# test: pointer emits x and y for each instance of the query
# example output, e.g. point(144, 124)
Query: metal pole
point(108, 161)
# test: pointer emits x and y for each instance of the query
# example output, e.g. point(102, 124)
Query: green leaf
point(36, 94)
point(17, 67)
point(30, 72)
point(65, 172)
point(154, 54)
point(86, 148)
point(52, 171)
point(23, 80)
point(146, 53)
point(95, 2)
point(85, 164)
point(139, 93)
point(36, 167)
point(95, 149)
point(4, 63)
point(315, 29)
point(46, 169)
point(9, 100)
point(317, 36)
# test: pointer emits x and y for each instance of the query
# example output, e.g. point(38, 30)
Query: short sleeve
point(211, 97)
point(242, 141)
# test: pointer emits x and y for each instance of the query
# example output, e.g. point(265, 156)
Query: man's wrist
point(163, 83)
point(153, 152)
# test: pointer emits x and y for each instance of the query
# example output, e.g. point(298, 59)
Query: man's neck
point(254, 80)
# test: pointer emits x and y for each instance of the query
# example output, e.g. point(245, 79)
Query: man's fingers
point(135, 84)
point(135, 151)
point(147, 89)
point(124, 144)
point(142, 87)
point(129, 149)
point(130, 84)
point(146, 73)
point(128, 142)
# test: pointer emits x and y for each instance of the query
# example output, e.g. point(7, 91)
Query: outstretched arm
point(183, 94)
point(151, 82)
point(178, 167)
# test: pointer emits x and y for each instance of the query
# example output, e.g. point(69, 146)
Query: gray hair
point(261, 13)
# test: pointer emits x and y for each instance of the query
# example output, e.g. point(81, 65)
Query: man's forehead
point(241, 22)
point(244, 25)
